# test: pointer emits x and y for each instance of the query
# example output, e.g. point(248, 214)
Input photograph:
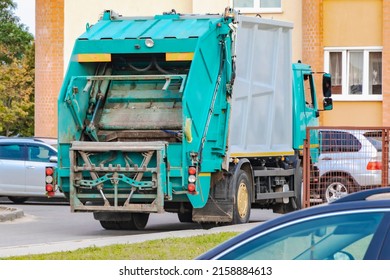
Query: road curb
point(10, 213)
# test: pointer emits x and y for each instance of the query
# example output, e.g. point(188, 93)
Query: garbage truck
point(199, 115)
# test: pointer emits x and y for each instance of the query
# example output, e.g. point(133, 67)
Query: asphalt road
point(51, 223)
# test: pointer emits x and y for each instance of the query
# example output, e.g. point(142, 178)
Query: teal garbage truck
point(199, 115)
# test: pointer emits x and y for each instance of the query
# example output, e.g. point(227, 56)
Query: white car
point(349, 161)
point(22, 168)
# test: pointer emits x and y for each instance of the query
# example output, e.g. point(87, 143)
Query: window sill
point(357, 98)
point(259, 11)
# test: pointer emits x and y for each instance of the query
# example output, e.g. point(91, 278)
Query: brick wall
point(312, 43)
point(386, 64)
point(49, 64)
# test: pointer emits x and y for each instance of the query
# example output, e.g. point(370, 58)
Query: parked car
point(355, 227)
point(22, 168)
point(349, 161)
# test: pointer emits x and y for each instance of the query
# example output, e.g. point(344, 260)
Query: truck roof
point(176, 26)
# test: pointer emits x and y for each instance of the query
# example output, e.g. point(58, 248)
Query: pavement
point(10, 213)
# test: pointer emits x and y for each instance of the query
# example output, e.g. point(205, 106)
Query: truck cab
point(306, 110)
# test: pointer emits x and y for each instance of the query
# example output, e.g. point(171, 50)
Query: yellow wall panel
point(354, 113)
point(352, 23)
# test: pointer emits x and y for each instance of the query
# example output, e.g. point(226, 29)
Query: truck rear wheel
point(242, 198)
point(185, 217)
point(138, 221)
point(110, 225)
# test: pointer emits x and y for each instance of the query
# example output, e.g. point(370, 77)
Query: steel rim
point(242, 200)
point(335, 191)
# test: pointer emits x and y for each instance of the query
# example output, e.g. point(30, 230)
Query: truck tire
point(110, 225)
point(185, 217)
point(138, 221)
point(242, 198)
point(298, 187)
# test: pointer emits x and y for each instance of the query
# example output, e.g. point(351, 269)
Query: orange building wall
point(365, 113)
point(49, 64)
point(341, 23)
point(386, 64)
point(352, 23)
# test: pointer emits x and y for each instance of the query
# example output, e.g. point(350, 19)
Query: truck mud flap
point(219, 206)
point(214, 212)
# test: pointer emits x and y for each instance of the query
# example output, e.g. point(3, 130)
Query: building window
point(375, 72)
point(356, 72)
point(335, 66)
point(255, 6)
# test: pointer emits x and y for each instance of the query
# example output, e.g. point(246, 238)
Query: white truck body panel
point(261, 115)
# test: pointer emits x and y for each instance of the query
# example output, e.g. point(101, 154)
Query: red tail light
point(191, 187)
point(49, 188)
point(374, 165)
point(49, 171)
point(50, 184)
point(191, 170)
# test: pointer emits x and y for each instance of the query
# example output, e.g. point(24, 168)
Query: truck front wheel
point(242, 198)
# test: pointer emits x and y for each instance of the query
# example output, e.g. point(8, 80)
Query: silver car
point(349, 161)
point(22, 168)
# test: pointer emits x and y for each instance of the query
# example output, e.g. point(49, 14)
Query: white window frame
point(256, 3)
point(344, 96)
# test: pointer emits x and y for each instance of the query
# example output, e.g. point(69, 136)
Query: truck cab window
point(307, 87)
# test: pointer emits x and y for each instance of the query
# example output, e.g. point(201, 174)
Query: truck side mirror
point(328, 104)
point(53, 159)
point(326, 85)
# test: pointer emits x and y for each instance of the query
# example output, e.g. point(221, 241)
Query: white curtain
point(355, 73)
point(375, 72)
point(335, 61)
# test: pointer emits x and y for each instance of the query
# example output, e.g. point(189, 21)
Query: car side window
point(345, 236)
point(339, 141)
point(11, 152)
point(39, 153)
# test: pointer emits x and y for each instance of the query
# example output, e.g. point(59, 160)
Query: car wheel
point(18, 199)
point(336, 187)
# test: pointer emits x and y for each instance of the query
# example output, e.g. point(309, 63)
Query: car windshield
point(332, 237)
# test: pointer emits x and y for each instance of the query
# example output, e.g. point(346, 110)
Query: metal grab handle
point(327, 158)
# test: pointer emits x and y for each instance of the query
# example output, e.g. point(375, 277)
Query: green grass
point(162, 249)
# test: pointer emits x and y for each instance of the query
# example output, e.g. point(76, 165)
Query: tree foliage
point(16, 74)
point(13, 34)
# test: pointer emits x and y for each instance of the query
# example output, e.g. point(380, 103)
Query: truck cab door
point(310, 108)
point(305, 110)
